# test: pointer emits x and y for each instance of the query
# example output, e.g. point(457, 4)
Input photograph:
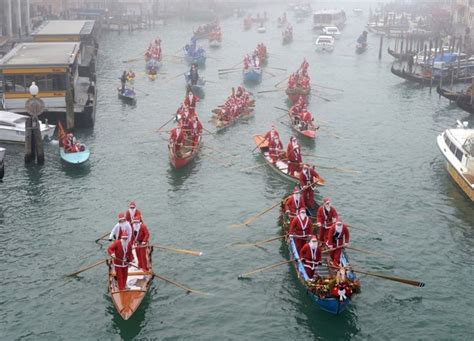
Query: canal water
point(380, 125)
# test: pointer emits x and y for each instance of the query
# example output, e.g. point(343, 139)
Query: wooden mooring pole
point(380, 47)
point(33, 139)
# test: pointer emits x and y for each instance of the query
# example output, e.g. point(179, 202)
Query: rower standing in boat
point(311, 256)
point(326, 217)
point(308, 177)
point(294, 203)
point(141, 236)
point(271, 134)
point(122, 227)
point(133, 212)
point(190, 102)
point(338, 237)
point(196, 129)
point(300, 229)
point(123, 80)
point(293, 153)
point(306, 120)
point(275, 149)
point(193, 74)
point(121, 252)
point(177, 138)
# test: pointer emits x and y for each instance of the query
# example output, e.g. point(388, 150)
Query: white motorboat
point(331, 31)
point(261, 29)
point(358, 11)
point(457, 147)
point(325, 43)
point(12, 127)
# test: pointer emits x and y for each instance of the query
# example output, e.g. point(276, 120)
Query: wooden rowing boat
point(281, 166)
point(187, 153)
point(403, 57)
point(252, 74)
point(222, 124)
point(320, 290)
point(310, 132)
point(127, 301)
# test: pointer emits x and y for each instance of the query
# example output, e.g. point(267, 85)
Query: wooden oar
point(283, 109)
point(219, 161)
point(277, 84)
point(253, 167)
point(143, 92)
point(271, 74)
point(265, 268)
point(171, 119)
point(260, 242)
point(360, 228)
point(342, 170)
point(179, 285)
point(276, 68)
point(326, 87)
point(251, 219)
point(86, 268)
point(324, 98)
point(369, 252)
point(390, 278)
point(226, 72)
point(174, 77)
point(100, 238)
point(318, 156)
point(233, 67)
point(188, 252)
point(265, 91)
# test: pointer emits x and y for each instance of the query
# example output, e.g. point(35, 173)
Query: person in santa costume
point(275, 149)
point(190, 102)
point(133, 212)
point(271, 134)
point(311, 256)
point(121, 253)
point(293, 152)
point(325, 218)
point(294, 203)
point(177, 138)
point(306, 120)
point(338, 237)
point(196, 129)
point(122, 227)
point(308, 177)
point(300, 229)
point(141, 237)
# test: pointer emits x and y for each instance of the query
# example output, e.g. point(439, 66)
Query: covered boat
point(127, 301)
point(324, 43)
point(187, 153)
point(457, 147)
point(321, 289)
point(12, 128)
point(281, 166)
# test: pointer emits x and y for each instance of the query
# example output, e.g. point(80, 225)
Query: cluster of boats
point(252, 65)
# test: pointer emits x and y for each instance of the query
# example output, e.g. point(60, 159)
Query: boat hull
point(127, 97)
point(252, 75)
point(179, 162)
point(198, 60)
point(74, 158)
point(426, 80)
point(295, 93)
point(2, 166)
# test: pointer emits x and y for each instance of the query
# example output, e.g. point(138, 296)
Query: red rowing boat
point(307, 130)
point(186, 154)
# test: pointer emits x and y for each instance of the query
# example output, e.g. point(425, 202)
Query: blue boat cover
point(447, 58)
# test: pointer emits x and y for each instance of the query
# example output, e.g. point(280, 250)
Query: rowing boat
point(128, 95)
point(296, 125)
point(295, 93)
point(187, 153)
point(281, 166)
point(455, 96)
point(426, 78)
point(222, 124)
point(320, 290)
point(252, 74)
point(75, 158)
point(127, 301)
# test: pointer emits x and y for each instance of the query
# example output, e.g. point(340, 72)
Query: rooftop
point(39, 54)
point(65, 27)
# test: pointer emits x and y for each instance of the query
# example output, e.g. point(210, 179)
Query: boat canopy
point(447, 58)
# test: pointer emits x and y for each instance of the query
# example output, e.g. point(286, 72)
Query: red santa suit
point(300, 228)
point(272, 134)
point(293, 153)
point(294, 203)
point(121, 228)
point(177, 138)
point(122, 251)
point(274, 149)
point(307, 177)
point(133, 213)
point(196, 130)
point(141, 236)
point(338, 236)
point(325, 219)
point(311, 252)
point(190, 102)
point(306, 117)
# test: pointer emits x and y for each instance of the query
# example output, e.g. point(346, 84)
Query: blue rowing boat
point(153, 63)
point(198, 88)
point(329, 303)
point(195, 58)
point(252, 74)
point(75, 158)
point(128, 95)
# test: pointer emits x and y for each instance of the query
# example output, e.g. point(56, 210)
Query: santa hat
point(314, 238)
point(296, 189)
point(121, 216)
point(132, 204)
point(326, 200)
point(302, 209)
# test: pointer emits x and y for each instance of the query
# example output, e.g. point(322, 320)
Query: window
point(453, 148)
point(56, 82)
point(459, 154)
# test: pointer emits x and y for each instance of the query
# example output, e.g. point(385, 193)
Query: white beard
point(124, 243)
point(132, 212)
point(313, 246)
point(136, 227)
point(303, 216)
point(338, 229)
point(297, 197)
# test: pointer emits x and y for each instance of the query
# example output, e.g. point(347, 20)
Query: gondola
point(281, 166)
point(455, 96)
point(320, 290)
point(403, 57)
point(295, 93)
point(426, 79)
point(187, 153)
point(127, 301)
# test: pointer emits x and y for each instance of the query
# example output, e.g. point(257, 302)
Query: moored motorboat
point(262, 29)
point(281, 165)
point(12, 128)
point(324, 43)
point(457, 147)
point(127, 301)
point(2, 164)
point(332, 31)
